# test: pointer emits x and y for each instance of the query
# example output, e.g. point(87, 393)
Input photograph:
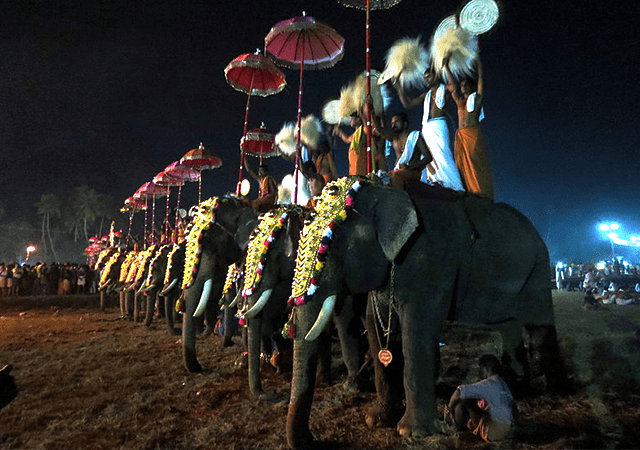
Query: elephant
point(110, 266)
point(217, 237)
point(437, 255)
point(266, 296)
point(8, 389)
point(153, 283)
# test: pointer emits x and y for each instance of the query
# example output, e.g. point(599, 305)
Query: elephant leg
point(229, 326)
point(254, 338)
point(545, 360)
point(514, 357)
point(387, 409)
point(103, 300)
point(136, 307)
point(420, 347)
point(130, 300)
point(349, 330)
point(168, 312)
point(150, 303)
point(123, 304)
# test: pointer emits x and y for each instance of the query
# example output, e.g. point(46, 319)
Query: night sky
point(107, 93)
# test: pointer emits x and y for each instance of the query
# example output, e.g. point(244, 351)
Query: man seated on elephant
point(268, 188)
point(411, 165)
point(486, 407)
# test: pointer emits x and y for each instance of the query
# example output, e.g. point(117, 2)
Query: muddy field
point(89, 380)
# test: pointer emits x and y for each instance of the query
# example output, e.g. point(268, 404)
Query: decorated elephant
point(109, 263)
point(437, 255)
point(217, 237)
point(269, 268)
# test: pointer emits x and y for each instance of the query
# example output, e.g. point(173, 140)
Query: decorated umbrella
point(133, 204)
point(169, 180)
point(153, 191)
point(299, 43)
point(368, 5)
point(200, 159)
point(253, 74)
point(184, 172)
point(260, 142)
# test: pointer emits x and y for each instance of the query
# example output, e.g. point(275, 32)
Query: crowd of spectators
point(46, 279)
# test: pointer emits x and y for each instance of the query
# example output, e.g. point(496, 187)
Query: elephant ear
point(393, 216)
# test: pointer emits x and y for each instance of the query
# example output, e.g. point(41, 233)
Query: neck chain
point(384, 355)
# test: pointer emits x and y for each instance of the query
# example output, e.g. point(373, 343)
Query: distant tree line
point(61, 226)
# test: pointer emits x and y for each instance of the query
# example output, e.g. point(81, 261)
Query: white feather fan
point(462, 48)
point(286, 139)
point(310, 131)
point(407, 60)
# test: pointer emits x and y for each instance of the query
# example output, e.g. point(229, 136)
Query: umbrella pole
point(177, 213)
point(200, 188)
point(166, 217)
point(370, 165)
point(153, 220)
point(296, 170)
point(130, 223)
point(146, 221)
point(244, 134)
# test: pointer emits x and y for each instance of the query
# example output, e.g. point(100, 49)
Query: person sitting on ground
point(590, 302)
point(486, 407)
point(268, 188)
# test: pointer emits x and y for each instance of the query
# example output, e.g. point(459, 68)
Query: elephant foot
point(242, 361)
point(379, 415)
point(409, 429)
point(192, 365)
point(302, 439)
point(272, 397)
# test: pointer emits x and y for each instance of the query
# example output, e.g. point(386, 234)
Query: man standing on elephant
point(470, 151)
point(435, 129)
point(358, 147)
point(268, 188)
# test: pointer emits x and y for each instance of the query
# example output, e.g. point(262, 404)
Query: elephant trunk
point(323, 318)
point(168, 287)
point(254, 334)
point(189, 332)
point(151, 303)
point(257, 307)
point(204, 297)
point(305, 355)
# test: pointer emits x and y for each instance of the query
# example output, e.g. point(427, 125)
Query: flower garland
point(143, 258)
point(102, 256)
point(133, 267)
point(203, 218)
point(126, 265)
point(170, 263)
point(159, 253)
point(233, 274)
point(107, 267)
point(261, 239)
point(335, 203)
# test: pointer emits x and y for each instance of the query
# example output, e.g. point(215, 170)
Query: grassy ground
point(90, 381)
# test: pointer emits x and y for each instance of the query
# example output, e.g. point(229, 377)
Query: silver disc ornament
point(479, 16)
point(448, 23)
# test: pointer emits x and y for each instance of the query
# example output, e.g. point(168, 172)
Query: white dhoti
point(436, 135)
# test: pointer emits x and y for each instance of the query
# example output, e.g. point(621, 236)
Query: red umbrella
point(368, 5)
point(187, 173)
point(260, 143)
point(153, 191)
point(253, 74)
point(200, 159)
point(167, 179)
point(301, 42)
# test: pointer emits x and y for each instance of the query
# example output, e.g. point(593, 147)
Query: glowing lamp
point(245, 187)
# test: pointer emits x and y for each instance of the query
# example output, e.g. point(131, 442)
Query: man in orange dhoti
point(470, 152)
point(358, 148)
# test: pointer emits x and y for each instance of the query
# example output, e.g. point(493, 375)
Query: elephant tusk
point(151, 287)
point(236, 299)
point(168, 287)
point(257, 307)
point(324, 317)
point(204, 297)
point(103, 286)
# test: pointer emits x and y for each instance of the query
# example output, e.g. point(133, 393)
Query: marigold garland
point(261, 239)
point(170, 263)
point(157, 256)
point(143, 258)
point(203, 218)
point(107, 267)
point(126, 265)
point(332, 209)
point(102, 256)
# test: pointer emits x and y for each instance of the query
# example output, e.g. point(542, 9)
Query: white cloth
point(436, 136)
point(440, 91)
point(409, 147)
point(471, 106)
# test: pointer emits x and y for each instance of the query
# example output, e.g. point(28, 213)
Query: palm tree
point(85, 202)
point(48, 206)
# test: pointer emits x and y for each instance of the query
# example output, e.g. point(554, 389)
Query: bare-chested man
point(435, 130)
point(470, 153)
point(410, 164)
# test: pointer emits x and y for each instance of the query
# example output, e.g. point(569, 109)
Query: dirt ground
point(89, 380)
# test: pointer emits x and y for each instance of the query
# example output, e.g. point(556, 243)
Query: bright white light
point(604, 227)
point(31, 248)
point(245, 187)
point(625, 263)
point(560, 265)
point(600, 265)
point(614, 226)
point(613, 236)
